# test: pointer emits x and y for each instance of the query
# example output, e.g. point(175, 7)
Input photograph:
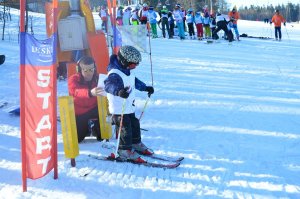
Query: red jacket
point(79, 89)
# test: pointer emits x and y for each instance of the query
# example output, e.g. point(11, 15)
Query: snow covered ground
point(231, 110)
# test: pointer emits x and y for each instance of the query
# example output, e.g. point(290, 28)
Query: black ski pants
point(172, 25)
point(191, 29)
point(222, 25)
point(164, 26)
point(130, 133)
point(82, 123)
point(278, 32)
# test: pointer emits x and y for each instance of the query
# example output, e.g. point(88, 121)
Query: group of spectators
point(178, 21)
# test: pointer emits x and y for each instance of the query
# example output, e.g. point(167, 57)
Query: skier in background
point(212, 23)
point(171, 23)
point(178, 16)
point(127, 16)
point(152, 21)
point(120, 15)
point(221, 25)
point(206, 24)
point(277, 19)
point(121, 85)
point(199, 25)
point(183, 11)
point(103, 14)
point(164, 21)
point(190, 20)
point(135, 17)
point(143, 14)
point(234, 16)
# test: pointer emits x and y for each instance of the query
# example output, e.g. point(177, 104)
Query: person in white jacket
point(120, 86)
point(126, 16)
point(222, 25)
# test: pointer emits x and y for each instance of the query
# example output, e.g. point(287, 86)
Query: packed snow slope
point(231, 110)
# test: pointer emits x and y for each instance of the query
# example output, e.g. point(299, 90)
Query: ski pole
point(120, 130)
point(271, 30)
point(150, 56)
point(144, 108)
point(287, 33)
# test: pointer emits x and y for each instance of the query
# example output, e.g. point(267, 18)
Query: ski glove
point(150, 90)
point(123, 93)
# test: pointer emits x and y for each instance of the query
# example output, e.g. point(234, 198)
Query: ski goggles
point(90, 70)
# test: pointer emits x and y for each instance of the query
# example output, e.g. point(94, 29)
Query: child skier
point(206, 24)
point(199, 26)
point(152, 21)
point(190, 20)
point(121, 85)
point(135, 17)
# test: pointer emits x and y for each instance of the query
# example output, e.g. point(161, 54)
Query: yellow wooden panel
point(105, 126)
point(68, 126)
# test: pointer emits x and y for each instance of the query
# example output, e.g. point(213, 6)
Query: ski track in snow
point(231, 110)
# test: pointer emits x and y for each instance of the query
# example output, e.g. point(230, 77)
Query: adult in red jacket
point(83, 87)
point(277, 19)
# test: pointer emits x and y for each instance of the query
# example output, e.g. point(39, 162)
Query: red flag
point(37, 103)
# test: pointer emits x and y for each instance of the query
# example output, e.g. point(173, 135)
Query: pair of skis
point(168, 162)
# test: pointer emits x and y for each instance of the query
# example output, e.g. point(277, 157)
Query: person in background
point(143, 14)
point(178, 17)
point(221, 25)
point(83, 88)
point(229, 27)
point(277, 19)
point(190, 20)
point(152, 21)
point(103, 14)
point(135, 16)
point(120, 15)
point(206, 24)
point(121, 85)
point(165, 22)
point(199, 26)
point(212, 23)
point(126, 16)
point(171, 24)
point(234, 16)
point(183, 11)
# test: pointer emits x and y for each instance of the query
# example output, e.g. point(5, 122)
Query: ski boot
point(142, 149)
